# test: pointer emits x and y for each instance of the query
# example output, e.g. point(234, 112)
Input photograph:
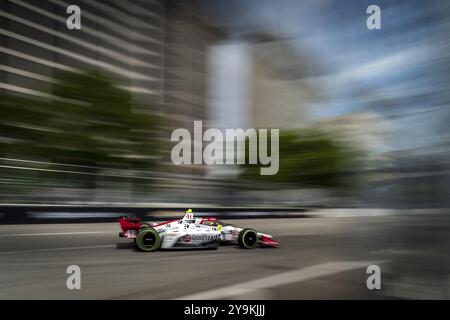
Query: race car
point(189, 233)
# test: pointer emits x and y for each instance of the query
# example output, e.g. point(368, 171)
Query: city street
point(319, 258)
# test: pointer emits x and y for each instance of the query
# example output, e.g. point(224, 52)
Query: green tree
point(310, 157)
point(88, 122)
point(98, 126)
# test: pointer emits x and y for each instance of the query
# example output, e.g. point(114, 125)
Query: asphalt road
point(319, 258)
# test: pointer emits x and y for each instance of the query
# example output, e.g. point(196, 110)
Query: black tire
point(148, 240)
point(248, 238)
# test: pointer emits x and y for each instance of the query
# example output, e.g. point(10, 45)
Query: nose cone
point(268, 242)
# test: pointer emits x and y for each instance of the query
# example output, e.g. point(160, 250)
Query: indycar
point(190, 233)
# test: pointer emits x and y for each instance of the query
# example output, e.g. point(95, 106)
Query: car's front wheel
point(248, 238)
point(148, 240)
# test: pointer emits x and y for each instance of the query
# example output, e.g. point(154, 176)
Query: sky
point(400, 71)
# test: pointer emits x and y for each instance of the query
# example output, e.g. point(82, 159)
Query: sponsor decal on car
point(205, 236)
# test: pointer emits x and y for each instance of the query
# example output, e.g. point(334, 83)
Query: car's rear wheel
point(144, 225)
point(148, 240)
point(248, 238)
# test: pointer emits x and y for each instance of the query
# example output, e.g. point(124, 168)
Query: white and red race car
point(190, 232)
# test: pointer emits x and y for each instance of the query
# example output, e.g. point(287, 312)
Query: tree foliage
point(310, 157)
point(88, 122)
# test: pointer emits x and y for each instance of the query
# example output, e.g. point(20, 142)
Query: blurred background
point(86, 115)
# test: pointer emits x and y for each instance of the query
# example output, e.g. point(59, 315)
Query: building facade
point(157, 50)
point(124, 40)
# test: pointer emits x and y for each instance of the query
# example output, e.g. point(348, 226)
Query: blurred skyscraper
point(122, 40)
point(156, 50)
point(188, 37)
point(270, 81)
point(259, 81)
point(281, 94)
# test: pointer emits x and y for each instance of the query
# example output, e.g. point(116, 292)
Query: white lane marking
point(57, 249)
point(55, 233)
point(284, 278)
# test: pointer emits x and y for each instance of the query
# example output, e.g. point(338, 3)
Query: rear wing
point(129, 223)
